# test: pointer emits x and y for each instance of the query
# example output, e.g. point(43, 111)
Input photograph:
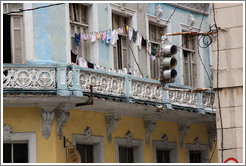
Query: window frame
point(137, 146)
point(171, 146)
point(30, 138)
point(96, 141)
point(204, 149)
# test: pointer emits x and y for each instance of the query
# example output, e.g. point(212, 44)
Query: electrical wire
point(217, 74)
point(41, 7)
point(171, 16)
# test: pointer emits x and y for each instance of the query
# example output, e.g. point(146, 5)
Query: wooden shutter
point(17, 39)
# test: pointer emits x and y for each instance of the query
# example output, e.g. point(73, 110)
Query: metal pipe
point(91, 100)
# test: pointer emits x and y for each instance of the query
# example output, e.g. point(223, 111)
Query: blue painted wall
point(103, 24)
point(181, 16)
point(49, 34)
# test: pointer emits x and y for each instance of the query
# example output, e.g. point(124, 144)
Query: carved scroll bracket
point(47, 115)
point(62, 116)
point(183, 131)
point(7, 131)
point(112, 121)
point(149, 126)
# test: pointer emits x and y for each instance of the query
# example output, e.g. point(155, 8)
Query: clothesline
point(111, 37)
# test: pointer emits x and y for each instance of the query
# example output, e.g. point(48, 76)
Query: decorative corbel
point(87, 132)
point(159, 12)
point(191, 21)
point(149, 126)
point(7, 131)
point(212, 134)
point(183, 131)
point(62, 116)
point(112, 121)
point(129, 136)
point(197, 141)
point(47, 115)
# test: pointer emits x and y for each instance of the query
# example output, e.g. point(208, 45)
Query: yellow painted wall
point(51, 150)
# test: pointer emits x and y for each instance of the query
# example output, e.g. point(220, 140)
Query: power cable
point(41, 7)
point(217, 73)
point(171, 16)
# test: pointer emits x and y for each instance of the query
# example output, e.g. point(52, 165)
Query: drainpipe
point(91, 100)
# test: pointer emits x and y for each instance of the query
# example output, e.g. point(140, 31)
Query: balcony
point(72, 80)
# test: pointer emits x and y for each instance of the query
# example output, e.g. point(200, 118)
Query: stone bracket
point(149, 126)
point(62, 116)
point(183, 131)
point(47, 115)
point(112, 121)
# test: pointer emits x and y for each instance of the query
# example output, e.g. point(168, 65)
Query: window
point(197, 153)
point(129, 151)
point(86, 152)
point(91, 148)
point(120, 49)
point(155, 41)
point(195, 156)
point(79, 25)
point(163, 156)
point(15, 152)
point(13, 35)
point(189, 60)
point(165, 152)
point(126, 155)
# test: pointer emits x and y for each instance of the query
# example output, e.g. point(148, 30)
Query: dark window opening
point(15, 153)
point(6, 40)
point(195, 156)
point(163, 156)
point(126, 155)
point(86, 152)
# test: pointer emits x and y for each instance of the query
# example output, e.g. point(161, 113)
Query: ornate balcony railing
point(74, 80)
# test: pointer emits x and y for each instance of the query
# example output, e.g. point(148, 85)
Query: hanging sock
point(127, 28)
point(130, 33)
point(85, 36)
point(139, 41)
point(98, 36)
point(77, 39)
point(104, 36)
point(108, 34)
point(134, 36)
point(92, 37)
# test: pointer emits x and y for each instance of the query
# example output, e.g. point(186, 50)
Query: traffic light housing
point(168, 63)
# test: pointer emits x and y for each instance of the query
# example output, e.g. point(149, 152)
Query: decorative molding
point(149, 126)
point(61, 118)
point(109, 85)
point(122, 10)
point(129, 136)
point(29, 78)
point(112, 121)
point(147, 91)
point(183, 98)
point(87, 132)
point(202, 148)
point(197, 141)
point(200, 8)
point(7, 131)
point(164, 139)
point(183, 131)
point(208, 100)
point(212, 134)
point(47, 115)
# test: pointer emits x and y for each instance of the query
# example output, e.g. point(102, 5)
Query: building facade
point(80, 84)
point(229, 96)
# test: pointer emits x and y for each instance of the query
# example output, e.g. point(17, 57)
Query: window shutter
point(17, 39)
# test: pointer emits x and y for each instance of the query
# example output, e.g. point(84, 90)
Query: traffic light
point(168, 63)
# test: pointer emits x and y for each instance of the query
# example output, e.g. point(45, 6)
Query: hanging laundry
point(127, 28)
point(130, 33)
point(98, 36)
point(77, 39)
point(90, 65)
point(85, 36)
point(104, 36)
point(153, 57)
point(153, 49)
point(108, 34)
point(92, 37)
point(139, 41)
point(82, 62)
point(134, 36)
point(120, 31)
point(73, 57)
point(82, 36)
point(114, 37)
point(144, 42)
